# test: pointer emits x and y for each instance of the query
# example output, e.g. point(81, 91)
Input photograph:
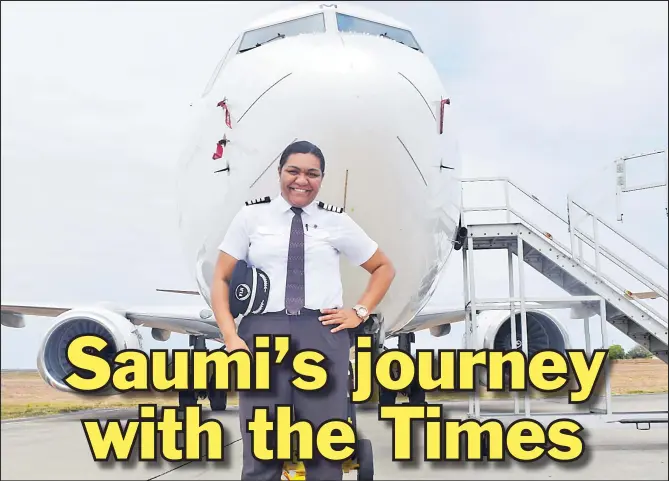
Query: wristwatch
point(361, 311)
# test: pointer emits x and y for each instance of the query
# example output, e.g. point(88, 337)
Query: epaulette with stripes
point(259, 200)
point(331, 208)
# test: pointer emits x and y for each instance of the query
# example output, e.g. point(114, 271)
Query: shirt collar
point(283, 206)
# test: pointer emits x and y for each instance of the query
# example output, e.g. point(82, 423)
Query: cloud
point(95, 103)
point(550, 94)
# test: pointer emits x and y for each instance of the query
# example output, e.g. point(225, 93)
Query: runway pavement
point(56, 448)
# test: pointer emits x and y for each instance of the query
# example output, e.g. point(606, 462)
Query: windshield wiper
point(385, 35)
point(278, 36)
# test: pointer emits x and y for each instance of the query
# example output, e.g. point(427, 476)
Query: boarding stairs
point(595, 285)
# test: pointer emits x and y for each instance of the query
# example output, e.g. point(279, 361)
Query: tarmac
point(55, 448)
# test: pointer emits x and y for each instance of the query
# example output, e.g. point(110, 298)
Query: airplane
point(358, 84)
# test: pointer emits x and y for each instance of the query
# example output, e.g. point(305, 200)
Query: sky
point(95, 103)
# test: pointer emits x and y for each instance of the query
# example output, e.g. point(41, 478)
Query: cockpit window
point(261, 36)
point(347, 23)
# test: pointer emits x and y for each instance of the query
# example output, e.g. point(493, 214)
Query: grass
point(30, 409)
point(24, 394)
point(41, 409)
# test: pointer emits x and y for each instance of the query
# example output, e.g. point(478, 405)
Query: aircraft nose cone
point(363, 100)
point(347, 87)
point(369, 104)
point(348, 94)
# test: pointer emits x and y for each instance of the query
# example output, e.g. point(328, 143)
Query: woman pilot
point(293, 243)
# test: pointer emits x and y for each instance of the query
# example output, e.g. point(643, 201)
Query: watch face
point(362, 311)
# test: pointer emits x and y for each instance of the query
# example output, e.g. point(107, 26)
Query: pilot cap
point(249, 290)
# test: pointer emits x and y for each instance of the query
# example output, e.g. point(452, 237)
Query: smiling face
point(300, 179)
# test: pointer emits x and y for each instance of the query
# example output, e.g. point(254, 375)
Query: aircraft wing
point(184, 320)
point(200, 321)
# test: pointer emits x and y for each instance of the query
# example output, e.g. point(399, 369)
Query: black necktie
point(295, 268)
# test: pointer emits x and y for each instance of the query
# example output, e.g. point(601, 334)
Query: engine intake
point(544, 332)
point(52, 362)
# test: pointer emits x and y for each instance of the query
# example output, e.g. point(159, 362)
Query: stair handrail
point(620, 263)
point(507, 182)
point(617, 232)
point(613, 284)
point(575, 232)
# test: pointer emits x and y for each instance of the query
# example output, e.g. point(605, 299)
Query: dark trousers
point(317, 407)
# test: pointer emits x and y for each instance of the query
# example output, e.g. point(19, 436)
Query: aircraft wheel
point(365, 460)
point(485, 445)
point(417, 396)
point(187, 398)
point(386, 397)
point(218, 400)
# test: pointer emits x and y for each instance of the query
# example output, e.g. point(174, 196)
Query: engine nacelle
point(111, 325)
point(544, 332)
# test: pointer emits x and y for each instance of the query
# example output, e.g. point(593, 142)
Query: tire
point(417, 396)
point(485, 445)
point(386, 398)
point(365, 457)
point(187, 398)
point(352, 415)
point(218, 400)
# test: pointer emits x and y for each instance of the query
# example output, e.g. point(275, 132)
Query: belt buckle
point(298, 313)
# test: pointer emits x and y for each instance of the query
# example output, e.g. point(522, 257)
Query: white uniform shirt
point(259, 234)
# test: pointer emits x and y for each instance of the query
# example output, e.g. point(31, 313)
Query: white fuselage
point(373, 107)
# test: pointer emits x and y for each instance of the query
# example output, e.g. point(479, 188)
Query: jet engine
point(107, 323)
point(544, 332)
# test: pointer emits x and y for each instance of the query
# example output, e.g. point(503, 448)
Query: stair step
point(623, 309)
